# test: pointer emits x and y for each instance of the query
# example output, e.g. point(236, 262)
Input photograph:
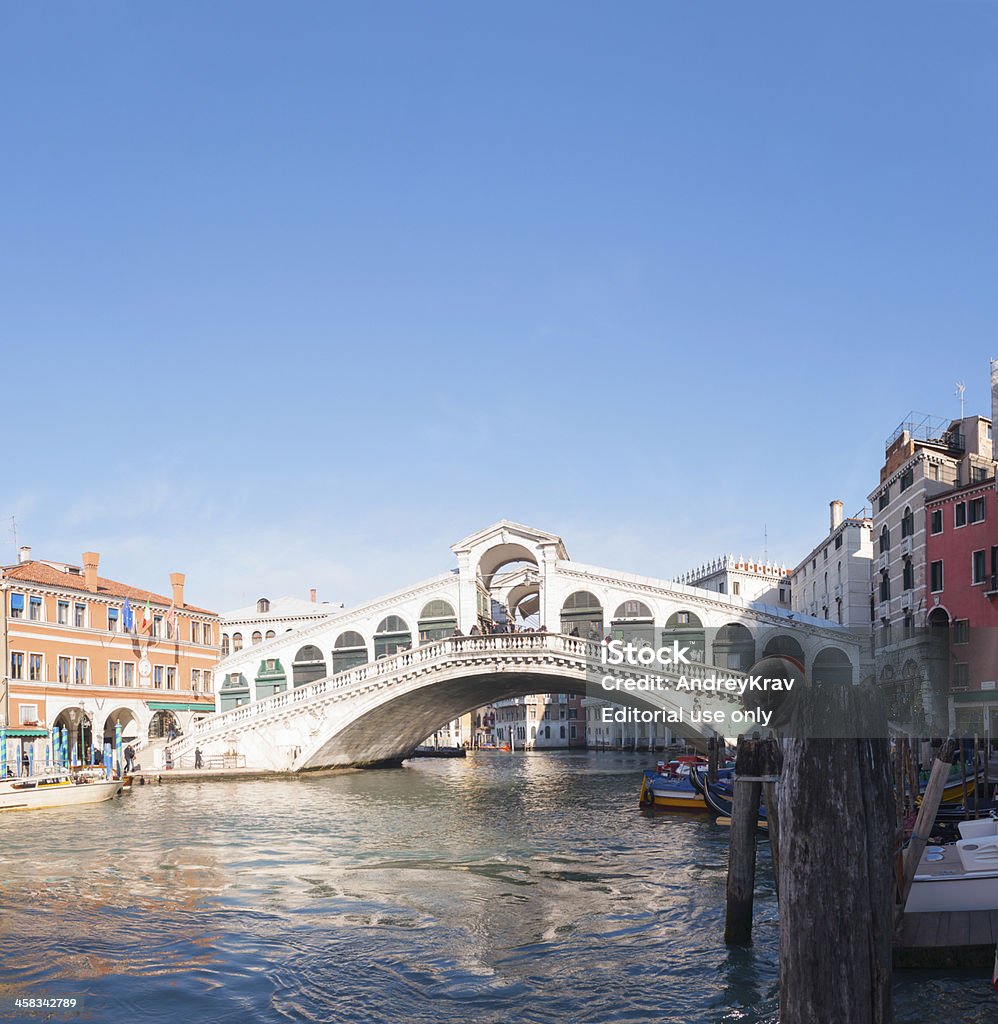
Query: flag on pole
point(127, 617)
point(145, 626)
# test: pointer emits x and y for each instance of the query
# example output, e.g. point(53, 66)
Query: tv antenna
point(960, 388)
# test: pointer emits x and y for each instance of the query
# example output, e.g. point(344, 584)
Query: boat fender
point(647, 796)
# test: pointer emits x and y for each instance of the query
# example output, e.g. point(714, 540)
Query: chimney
point(24, 553)
point(90, 562)
point(835, 514)
point(177, 582)
point(311, 595)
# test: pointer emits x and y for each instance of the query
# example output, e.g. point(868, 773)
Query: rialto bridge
point(367, 684)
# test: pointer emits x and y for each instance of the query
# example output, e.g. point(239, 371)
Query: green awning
point(976, 697)
point(165, 705)
point(19, 733)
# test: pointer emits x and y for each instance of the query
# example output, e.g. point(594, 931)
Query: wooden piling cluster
point(830, 814)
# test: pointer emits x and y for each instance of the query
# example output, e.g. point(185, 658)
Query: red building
point(962, 600)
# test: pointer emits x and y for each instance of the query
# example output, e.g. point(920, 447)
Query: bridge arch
point(499, 556)
point(309, 665)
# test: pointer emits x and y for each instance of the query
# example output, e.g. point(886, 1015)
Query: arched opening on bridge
point(391, 635)
point(234, 691)
point(582, 615)
point(633, 621)
point(164, 725)
point(79, 733)
point(686, 629)
point(126, 718)
point(436, 621)
point(734, 647)
point(309, 665)
point(270, 678)
point(525, 604)
point(783, 646)
point(349, 651)
point(831, 665)
point(502, 556)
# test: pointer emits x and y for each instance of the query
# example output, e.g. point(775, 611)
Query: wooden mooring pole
point(757, 762)
point(838, 823)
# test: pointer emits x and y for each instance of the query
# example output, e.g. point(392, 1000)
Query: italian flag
point(145, 625)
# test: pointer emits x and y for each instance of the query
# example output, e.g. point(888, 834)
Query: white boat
point(56, 789)
point(960, 876)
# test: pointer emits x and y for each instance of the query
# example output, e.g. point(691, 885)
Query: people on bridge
point(129, 758)
point(475, 631)
point(456, 633)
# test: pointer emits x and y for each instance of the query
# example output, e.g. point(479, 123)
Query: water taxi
point(59, 788)
point(670, 786)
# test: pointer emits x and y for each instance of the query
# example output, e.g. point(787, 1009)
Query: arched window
point(831, 665)
point(784, 647)
point(436, 621)
point(686, 629)
point(263, 605)
point(633, 622)
point(734, 647)
point(225, 645)
point(907, 523)
point(237, 641)
point(885, 541)
point(257, 637)
point(391, 635)
point(349, 651)
point(309, 665)
point(582, 615)
point(270, 634)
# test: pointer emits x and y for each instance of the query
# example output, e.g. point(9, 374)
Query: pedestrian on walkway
point(168, 758)
point(129, 758)
point(198, 760)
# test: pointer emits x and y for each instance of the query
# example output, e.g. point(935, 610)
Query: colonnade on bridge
point(510, 578)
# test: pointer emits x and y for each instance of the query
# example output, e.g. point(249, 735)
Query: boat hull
point(58, 795)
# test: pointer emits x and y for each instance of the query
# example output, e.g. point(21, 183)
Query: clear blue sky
point(299, 294)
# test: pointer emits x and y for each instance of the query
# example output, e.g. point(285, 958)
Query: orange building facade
point(70, 658)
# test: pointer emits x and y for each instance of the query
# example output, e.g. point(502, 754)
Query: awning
point(165, 705)
point(976, 697)
point(24, 733)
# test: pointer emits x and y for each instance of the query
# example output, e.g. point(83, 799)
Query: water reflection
point(499, 887)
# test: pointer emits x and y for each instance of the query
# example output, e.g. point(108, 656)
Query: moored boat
point(58, 788)
point(960, 876)
point(671, 786)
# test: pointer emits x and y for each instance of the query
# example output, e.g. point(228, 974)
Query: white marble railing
point(531, 645)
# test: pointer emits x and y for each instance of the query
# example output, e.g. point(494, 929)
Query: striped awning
point(24, 733)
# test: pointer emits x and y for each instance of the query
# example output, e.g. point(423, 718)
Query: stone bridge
point(378, 712)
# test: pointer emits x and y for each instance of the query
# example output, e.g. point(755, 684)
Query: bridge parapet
point(580, 657)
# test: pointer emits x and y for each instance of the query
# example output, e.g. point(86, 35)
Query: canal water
point(522, 887)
